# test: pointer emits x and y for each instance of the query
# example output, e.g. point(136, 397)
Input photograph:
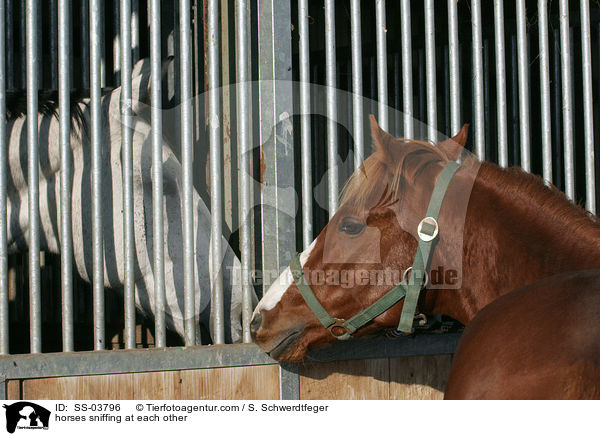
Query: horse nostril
point(256, 321)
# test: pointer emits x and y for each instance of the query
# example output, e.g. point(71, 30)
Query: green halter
point(408, 289)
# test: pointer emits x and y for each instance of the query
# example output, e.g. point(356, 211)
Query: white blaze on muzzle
point(281, 284)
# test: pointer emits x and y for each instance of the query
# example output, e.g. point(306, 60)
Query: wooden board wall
point(415, 377)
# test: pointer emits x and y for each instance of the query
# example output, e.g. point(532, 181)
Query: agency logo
point(26, 415)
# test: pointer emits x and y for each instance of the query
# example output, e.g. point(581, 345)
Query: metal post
point(216, 174)
point(454, 58)
point(477, 74)
point(307, 231)
point(332, 137)
point(357, 77)
point(588, 107)
point(523, 84)
point(567, 99)
point(96, 131)
point(66, 171)
point(546, 118)
point(4, 320)
point(158, 240)
point(32, 54)
point(127, 168)
point(501, 83)
point(430, 71)
point(382, 88)
point(407, 85)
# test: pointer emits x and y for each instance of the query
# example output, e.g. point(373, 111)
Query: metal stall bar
point(32, 55)
point(157, 176)
point(567, 99)
point(187, 161)
point(357, 99)
point(588, 107)
point(216, 173)
point(430, 70)
point(96, 140)
point(454, 61)
point(135, 31)
point(501, 83)
point(245, 147)
point(331, 106)
point(307, 230)
point(523, 66)
point(477, 74)
point(407, 85)
point(116, 42)
point(546, 118)
point(127, 168)
point(66, 171)
point(382, 86)
point(4, 320)
point(84, 19)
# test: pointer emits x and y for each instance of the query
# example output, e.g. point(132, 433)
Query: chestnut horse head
point(366, 248)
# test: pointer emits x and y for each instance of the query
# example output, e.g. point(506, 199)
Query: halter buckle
point(428, 229)
point(341, 324)
point(408, 270)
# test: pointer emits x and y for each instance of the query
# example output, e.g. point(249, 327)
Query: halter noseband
point(409, 288)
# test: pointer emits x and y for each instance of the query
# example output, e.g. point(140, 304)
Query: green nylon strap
point(423, 256)
point(374, 310)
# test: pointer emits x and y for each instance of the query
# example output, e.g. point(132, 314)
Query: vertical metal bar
point(135, 31)
point(357, 77)
point(66, 171)
point(454, 57)
point(332, 142)
point(513, 89)
point(407, 85)
point(216, 194)
point(501, 83)
point(307, 231)
point(157, 178)
point(588, 107)
point(477, 74)
point(557, 127)
point(244, 135)
point(127, 168)
point(446, 86)
point(187, 157)
point(32, 54)
point(430, 71)
point(53, 21)
point(4, 320)
point(567, 99)
point(382, 85)
point(546, 118)
point(523, 85)
point(96, 131)
point(84, 19)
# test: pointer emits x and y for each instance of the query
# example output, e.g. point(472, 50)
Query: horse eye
point(351, 226)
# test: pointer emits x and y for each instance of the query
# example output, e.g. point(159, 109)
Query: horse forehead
point(282, 284)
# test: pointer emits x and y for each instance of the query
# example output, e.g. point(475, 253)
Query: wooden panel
point(419, 377)
point(345, 380)
point(13, 389)
point(259, 382)
point(238, 383)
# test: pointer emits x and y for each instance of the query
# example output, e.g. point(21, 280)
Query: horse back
point(540, 341)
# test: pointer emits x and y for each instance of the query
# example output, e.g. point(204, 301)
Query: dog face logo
point(26, 415)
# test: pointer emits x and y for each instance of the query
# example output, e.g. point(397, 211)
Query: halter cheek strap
point(409, 288)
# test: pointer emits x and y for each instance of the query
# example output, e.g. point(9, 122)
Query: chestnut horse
point(513, 232)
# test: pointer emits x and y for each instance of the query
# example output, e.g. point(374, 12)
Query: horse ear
point(383, 142)
point(453, 146)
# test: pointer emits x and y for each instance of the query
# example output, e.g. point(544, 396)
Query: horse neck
point(517, 231)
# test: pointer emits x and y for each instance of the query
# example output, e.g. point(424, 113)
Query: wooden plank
point(236, 383)
point(165, 385)
point(348, 380)
point(13, 389)
point(419, 377)
point(106, 387)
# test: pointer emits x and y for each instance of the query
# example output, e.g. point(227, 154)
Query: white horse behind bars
point(112, 210)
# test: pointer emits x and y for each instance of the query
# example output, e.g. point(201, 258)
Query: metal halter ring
point(430, 222)
point(338, 323)
point(409, 269)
